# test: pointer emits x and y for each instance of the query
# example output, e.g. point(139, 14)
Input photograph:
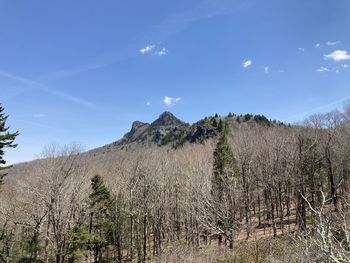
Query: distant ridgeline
point(169, 130)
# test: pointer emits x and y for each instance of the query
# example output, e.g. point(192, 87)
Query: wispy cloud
point(162, 52)
point(345, 66)
point(170, 101)
point(178, 22)
point(317, 45)
point(322, 69)
point(301, 49)
point(247, 63)
point(281, 71)
point(148, 103)
point(266, 69)
point(66, 73)
point(34, 123)
point(170, 26)
point(39, 86)
point(147, 49)
point(329, 106)
point(330, 43)
point(338, 55)
point(39, 115)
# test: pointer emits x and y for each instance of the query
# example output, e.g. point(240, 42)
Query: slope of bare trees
point(273, 180)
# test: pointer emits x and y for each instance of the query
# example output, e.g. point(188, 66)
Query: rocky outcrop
point(167, 129)
point(167, 119)
point(136, 125)
point(200, 133)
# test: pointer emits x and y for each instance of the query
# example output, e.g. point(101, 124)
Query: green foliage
point(101, 207)
point(214, 122)
point(177, 139)
point(225, 163)
point(100, 198)
point(77, 248)
point(247, 117)
point(261, 119)
point(32, 245)
point(220, 127)
point(96, 231)
point(6, 140)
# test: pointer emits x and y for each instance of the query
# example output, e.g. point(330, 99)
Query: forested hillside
point(225, 189)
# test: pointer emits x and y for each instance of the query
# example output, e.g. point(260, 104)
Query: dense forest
point(258, 191)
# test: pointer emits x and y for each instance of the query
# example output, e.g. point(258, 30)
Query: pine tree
point(31, 245)
point(220, 127)
point(101, 225)
point(214, 122)
point(6, 140)
point(225, 163)
point(78, 243)
point(225, 168)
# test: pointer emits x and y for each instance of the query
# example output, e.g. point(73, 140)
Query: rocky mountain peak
point(136, 125)
point(167, 119)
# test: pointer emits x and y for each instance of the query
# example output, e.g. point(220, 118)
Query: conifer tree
point(31, 245)
point(220, 126)
point(78, 244)
point(94, 232)
point(6, 140)
point(101, 225)
point(225, 168)
point(214, 122)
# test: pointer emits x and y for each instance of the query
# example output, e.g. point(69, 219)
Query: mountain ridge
point(167, 129)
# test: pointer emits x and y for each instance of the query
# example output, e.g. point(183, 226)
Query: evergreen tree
point(214, 122)
point(31, 244)
point(94, 233)
point(101, 225)
point(77, 249)
point(220, 126)
point(225, 163)
point(6, 140)
point(225, 168)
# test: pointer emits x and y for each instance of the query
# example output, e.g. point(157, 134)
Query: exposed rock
point(167, 119)
point(167, 129)
point(136, 125)
point(158, 135)
point(200, 132)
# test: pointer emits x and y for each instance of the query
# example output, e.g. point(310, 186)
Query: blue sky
point(83, 70)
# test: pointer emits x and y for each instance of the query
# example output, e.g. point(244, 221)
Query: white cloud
point(169, 101)
point(148, 103)
point(247, 63)
point(301, 49)
point(322, 69)
point(162, 52)
point(330, 43)
point(39, 115)
point(338, 55)
point(344, 66)
point(267, 69)
point(317, 45)
point(147, 49)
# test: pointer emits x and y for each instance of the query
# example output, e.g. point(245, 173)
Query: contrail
point(36, 85)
